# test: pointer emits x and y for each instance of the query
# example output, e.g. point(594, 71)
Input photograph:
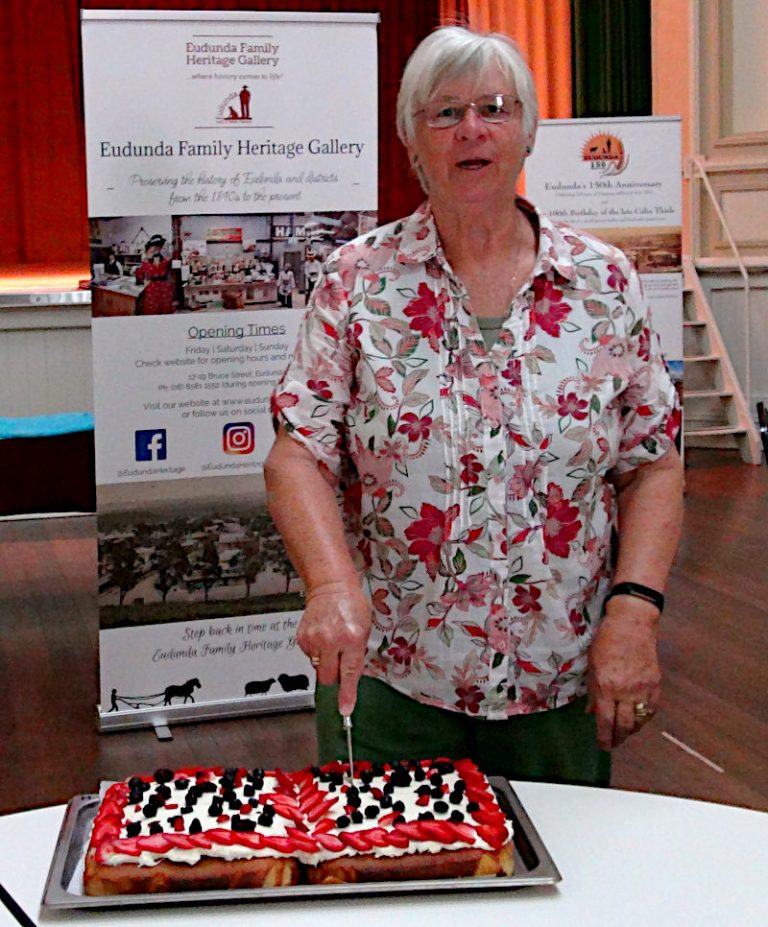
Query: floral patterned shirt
point(473, 481)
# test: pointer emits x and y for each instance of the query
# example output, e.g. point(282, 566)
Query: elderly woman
point(475, 403)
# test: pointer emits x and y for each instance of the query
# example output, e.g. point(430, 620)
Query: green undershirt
point(490, 328)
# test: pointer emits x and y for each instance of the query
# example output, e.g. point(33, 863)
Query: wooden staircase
point(715, 412)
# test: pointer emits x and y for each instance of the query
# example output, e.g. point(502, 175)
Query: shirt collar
point(420, 242)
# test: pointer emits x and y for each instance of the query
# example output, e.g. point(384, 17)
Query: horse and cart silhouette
point(184, 691)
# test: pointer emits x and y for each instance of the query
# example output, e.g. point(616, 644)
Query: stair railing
point(697, 166)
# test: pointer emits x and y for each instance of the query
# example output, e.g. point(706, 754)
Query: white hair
point(452, 52)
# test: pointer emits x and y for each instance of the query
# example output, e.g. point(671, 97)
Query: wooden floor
point(714, 642)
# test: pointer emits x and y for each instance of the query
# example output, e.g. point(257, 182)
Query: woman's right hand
point(335, 628)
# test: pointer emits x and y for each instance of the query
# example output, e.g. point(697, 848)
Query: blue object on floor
point(44, 426)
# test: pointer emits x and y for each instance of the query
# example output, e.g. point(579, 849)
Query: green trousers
point(559, 745)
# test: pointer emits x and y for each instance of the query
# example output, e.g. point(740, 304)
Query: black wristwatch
point(639, 592)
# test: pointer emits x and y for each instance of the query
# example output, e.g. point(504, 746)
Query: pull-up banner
point(621, 179)
point(227, 155)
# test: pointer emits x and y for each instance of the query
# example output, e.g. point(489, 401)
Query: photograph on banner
point(189, 550)
point(247, 658)
point(197, 569)
point(160, 265)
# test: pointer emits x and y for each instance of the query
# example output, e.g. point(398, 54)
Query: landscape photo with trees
point(172, 553)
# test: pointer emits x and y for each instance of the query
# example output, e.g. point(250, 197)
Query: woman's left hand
point(623, 670)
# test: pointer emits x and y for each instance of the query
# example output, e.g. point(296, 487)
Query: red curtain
point(42, 151)
point(42, 160)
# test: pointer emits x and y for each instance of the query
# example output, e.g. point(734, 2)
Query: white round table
point(626, 859)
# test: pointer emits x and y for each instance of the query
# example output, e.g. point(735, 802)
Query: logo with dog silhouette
point(236, 106)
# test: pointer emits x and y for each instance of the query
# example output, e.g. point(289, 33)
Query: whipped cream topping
point(385, 796)
point(204, 802)
point(313, 815)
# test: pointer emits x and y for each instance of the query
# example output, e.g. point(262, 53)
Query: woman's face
point(473, 161)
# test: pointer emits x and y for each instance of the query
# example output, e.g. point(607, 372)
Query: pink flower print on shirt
point(549, 309)
point(644, 345)
point(330, 294)
point(497, 628)
point(374, 472)
point(320, 388)
point(617, 278)
point(414, 427)
point(283, 401)
point(428, 533)
point(570, 404)
point(401, 651)
point(522, 479)
point(468, 698)
point(472, 469)
point(526, 599)
point(562, 522)
point(427, 313)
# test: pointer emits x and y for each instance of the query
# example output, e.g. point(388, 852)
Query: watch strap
point(639, 592)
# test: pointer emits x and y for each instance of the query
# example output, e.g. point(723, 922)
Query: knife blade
point(347, 722)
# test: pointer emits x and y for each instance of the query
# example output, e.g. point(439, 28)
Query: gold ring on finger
point(643, 712)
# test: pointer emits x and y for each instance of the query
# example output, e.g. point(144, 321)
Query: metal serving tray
point(63, 889)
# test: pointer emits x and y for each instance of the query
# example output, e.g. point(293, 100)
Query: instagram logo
point(239, 438)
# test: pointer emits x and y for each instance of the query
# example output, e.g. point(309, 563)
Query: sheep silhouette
point(291, 683)
point(258, 686)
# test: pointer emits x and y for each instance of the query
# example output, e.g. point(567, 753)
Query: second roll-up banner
point(227, 155)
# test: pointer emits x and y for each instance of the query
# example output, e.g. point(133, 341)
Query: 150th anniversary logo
point(605, 153)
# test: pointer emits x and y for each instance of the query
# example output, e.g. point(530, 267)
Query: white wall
point(45, 360)
point(725, 293)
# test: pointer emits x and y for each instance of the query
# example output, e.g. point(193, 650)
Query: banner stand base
point(162, 731)
point(161, 718)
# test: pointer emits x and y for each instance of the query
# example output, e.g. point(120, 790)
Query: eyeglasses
point(493, 108)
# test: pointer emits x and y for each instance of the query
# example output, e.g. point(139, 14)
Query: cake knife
point(347, 722)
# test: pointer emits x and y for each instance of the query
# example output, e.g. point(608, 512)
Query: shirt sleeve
point(650, 409)
point(312, 396)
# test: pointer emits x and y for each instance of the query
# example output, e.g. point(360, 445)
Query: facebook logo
point(151, 444)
